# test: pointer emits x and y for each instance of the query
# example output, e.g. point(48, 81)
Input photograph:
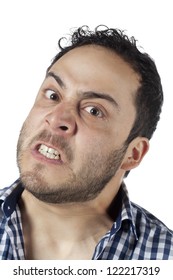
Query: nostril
point(63, 127)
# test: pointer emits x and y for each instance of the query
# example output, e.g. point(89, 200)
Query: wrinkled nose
point(62, 121)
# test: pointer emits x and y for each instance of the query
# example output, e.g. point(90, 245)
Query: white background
point(29, 31)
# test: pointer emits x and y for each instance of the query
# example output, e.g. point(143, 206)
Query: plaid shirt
point(136, 234)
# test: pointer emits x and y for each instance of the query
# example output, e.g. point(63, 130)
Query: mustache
point(56, 141)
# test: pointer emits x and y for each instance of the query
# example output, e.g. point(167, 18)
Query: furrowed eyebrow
point(57, 79)
point(92, 95)
point(85, 95)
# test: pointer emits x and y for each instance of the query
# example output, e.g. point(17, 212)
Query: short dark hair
point(149, 96)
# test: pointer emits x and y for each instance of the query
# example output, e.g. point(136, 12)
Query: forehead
point(99, 66)
point(97, 69)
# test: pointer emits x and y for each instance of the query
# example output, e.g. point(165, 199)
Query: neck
point(75, 216)
point(76, 224)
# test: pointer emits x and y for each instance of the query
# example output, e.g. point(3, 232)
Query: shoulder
point(5, 192)
point(152, 233)
point(143, 217)
point(9, 197)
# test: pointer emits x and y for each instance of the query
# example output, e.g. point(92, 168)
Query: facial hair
point(96, 171)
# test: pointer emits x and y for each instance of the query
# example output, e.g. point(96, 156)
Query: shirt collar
point(10, 197)
point(125, 215)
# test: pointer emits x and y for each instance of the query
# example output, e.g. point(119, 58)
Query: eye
point(94, 111)
point(51, 94)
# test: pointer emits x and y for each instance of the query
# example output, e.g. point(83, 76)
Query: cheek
point(89, 143)
point(35, 119)
point(29, 129)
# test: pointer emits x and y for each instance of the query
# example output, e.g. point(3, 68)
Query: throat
point(67, 234)
point(48, 242)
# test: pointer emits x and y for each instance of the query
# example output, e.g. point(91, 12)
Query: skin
point(89, 132)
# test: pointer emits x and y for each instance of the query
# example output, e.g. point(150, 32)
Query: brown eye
point(51, 94)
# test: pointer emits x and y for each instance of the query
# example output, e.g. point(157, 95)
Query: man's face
point(72, 142)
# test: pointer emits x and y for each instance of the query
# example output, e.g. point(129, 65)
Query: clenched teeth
point(48, 152)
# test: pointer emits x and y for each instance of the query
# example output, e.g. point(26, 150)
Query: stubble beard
point(84, 185)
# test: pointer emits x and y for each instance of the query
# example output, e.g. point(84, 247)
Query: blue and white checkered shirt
point(136, 234)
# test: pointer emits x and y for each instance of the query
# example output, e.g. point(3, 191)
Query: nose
point(61, 120)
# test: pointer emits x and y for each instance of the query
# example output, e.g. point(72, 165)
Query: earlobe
point(135, 153)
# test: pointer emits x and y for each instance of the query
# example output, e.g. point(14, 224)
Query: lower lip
point(44, 159)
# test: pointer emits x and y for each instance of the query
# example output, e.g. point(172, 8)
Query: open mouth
point(49, 152)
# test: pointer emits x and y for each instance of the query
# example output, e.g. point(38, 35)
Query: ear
point(135, 153)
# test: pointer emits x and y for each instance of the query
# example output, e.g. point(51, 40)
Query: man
point(91, 123)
